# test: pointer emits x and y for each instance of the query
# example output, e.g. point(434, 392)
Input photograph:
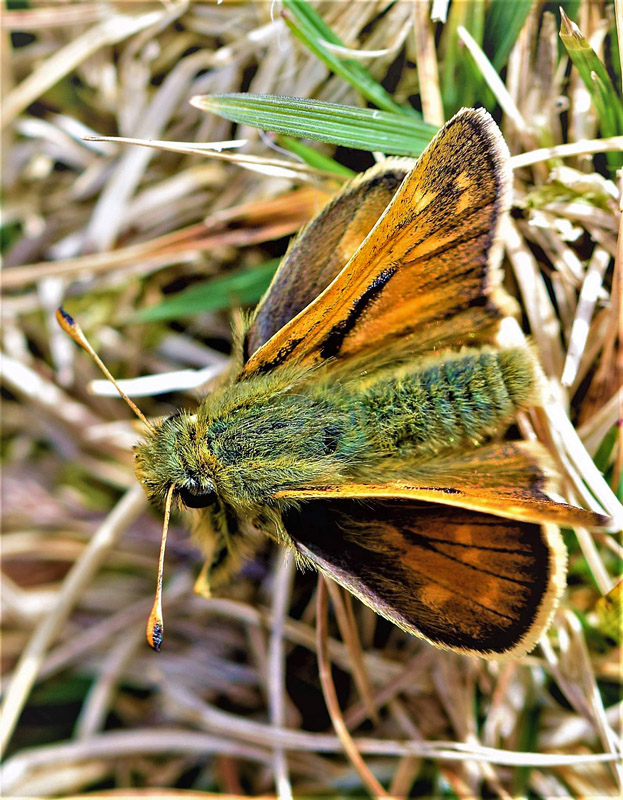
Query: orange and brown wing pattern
point(429, 269)
point(509, 480)
point(323, 248)
point(461, 579)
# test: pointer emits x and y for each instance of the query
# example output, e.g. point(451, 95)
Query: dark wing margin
point(462, 580)
point(323, 248)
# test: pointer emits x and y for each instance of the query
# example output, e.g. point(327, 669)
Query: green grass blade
point(359, 128)
point(451, 59)
point(615, 56)
point(243, 287)
point(314, 158)
point(309, 28)
point(503, 24)
point(462, 83)
point(596, 79)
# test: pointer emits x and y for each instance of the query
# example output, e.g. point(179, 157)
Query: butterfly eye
point(197, 499)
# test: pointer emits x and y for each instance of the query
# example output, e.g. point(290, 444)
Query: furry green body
point(450, 402)
point(250, 440)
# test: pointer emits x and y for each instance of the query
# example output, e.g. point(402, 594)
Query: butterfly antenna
point(155, 625)
point(71, 327)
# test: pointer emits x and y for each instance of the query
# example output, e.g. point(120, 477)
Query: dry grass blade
point(613, 144)
point(169, 248)
point(276, 669)
point(98, 701)
point(544, 322)
point(32, 657)
point(423, 33)
point(330, 696)
point(268, 166)
point(584, 464)
point(108, 32)
point(495, 82)
point(343, 612)
point(584, 311)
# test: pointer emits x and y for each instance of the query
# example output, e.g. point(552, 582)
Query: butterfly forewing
point(429, 269)
point(324, 247)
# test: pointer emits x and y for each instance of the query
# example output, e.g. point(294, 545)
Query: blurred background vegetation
point(152, 248)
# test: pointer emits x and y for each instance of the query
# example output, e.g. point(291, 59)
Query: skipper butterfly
point(360, 422)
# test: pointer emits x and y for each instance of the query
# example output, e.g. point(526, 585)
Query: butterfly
point(360, 423)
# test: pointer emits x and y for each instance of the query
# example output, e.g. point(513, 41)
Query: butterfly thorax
point(242, 453)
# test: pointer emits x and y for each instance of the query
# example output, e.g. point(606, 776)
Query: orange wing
point(322, 249)
point(509, 480)
point(463, 580)
point(429, 269)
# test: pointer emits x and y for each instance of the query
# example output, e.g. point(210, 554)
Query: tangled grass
point(259, 690)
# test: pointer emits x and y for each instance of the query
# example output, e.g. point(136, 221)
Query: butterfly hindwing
point(461, 579)
point(429, 269)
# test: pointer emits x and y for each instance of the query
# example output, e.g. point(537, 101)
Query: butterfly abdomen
point(460, 399)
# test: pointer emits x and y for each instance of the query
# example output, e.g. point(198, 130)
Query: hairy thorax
point(243, 453)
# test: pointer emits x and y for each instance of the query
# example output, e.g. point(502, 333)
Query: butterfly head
point(173, 457)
